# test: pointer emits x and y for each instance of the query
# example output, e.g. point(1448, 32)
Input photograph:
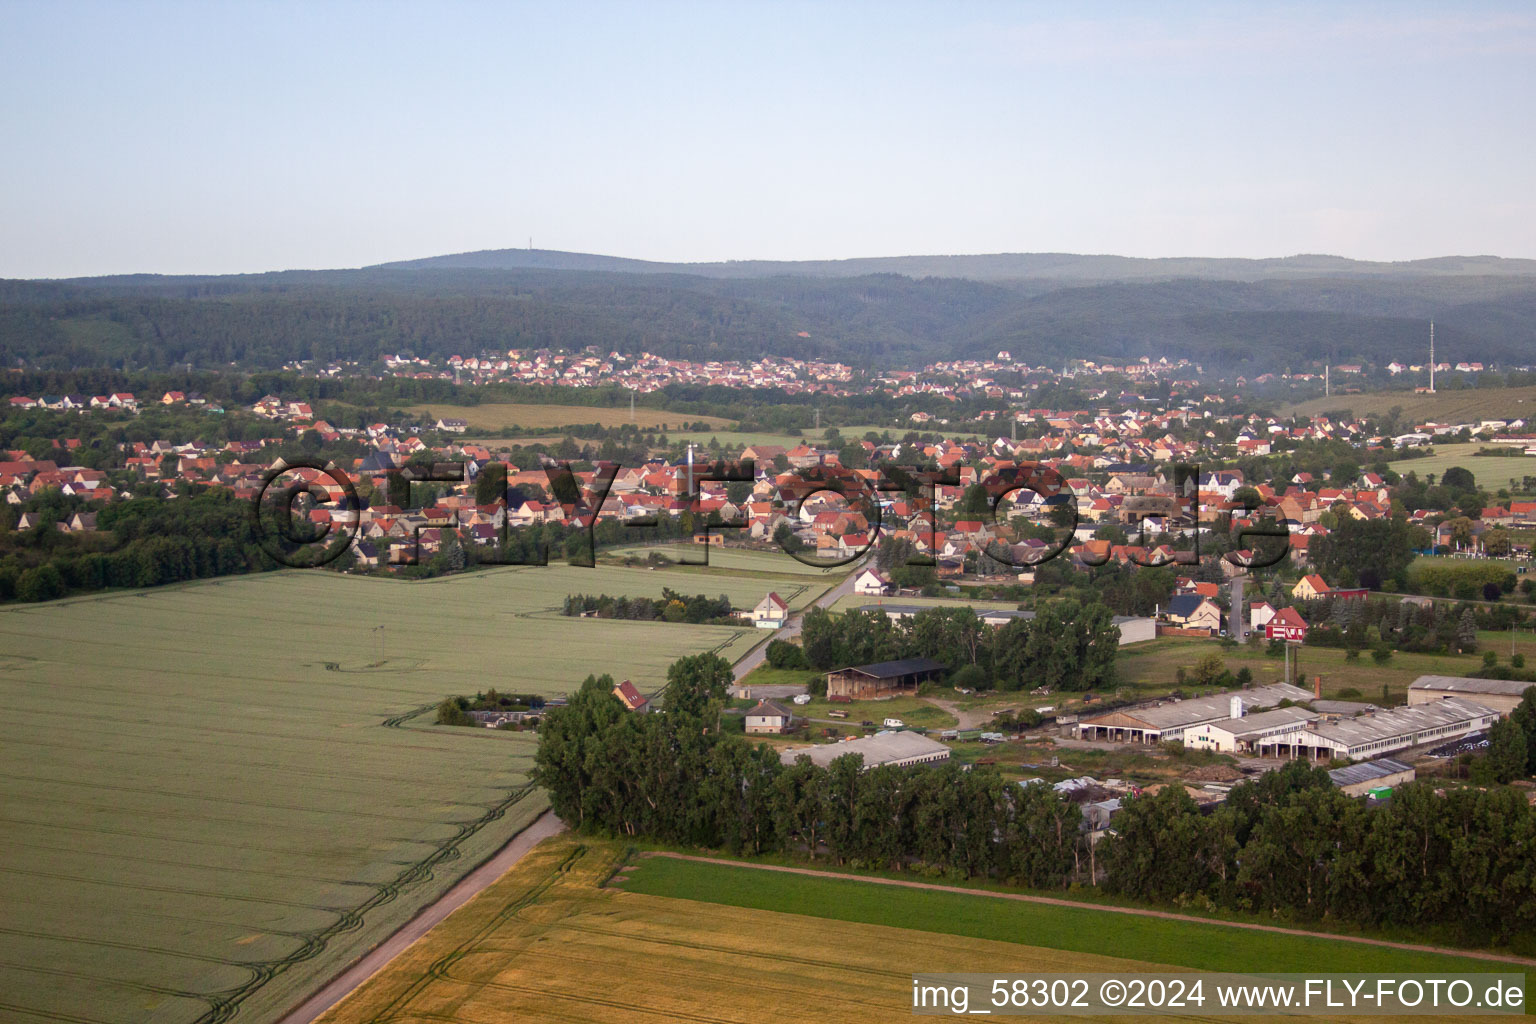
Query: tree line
point(1289, 844)
point(671, 606)
point(1068, 644)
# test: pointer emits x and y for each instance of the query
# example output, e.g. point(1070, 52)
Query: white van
point(894, 723)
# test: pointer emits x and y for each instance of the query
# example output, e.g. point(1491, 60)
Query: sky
point(244, 137)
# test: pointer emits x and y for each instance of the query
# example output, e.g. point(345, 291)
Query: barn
point(883, 679)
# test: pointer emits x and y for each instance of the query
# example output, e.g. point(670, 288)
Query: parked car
point(802, 698)
point(894, 723)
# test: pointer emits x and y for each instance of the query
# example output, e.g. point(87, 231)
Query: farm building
point(892, 748)
point(1381, 732)
point(1170, 720)
point(1246, 734)
point(1360, 779)
point(768, 717)
point(883, 679)
point(1500, 694)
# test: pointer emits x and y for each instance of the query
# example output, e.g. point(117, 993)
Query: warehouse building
point(1249, 734)
point(883, 748)
point(1380, 732)
point(1371, 776)
point(1170, 720)
point(1500, 694)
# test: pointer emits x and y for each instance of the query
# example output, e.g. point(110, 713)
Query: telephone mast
point(1431, 357)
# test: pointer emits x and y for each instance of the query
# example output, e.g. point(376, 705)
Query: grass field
point(1491, 471)
point(711, 944)
point(503, 415)
point(1443, 406)
point(1153, 665)
point(767, 564)
point(850, 602)
point(206, 808)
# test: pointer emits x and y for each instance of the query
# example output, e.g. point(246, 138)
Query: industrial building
point(1500, 694)
point(883, 748)
point(1297, 732)
point(1170, 720)
point(1371, 776)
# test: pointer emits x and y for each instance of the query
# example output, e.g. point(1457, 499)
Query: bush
point(1517, 660)
point(971, 677)
point(783, 654)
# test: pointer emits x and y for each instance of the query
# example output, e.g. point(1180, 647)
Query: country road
point(468, 887)
point(791, 627)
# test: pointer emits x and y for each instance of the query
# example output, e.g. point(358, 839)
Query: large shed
point(883, 678)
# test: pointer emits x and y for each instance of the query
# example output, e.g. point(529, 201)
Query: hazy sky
point(219, 137)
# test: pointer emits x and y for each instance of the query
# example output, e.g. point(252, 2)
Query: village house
point(768, 717)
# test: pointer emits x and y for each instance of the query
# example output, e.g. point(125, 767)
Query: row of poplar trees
point(1290, 844)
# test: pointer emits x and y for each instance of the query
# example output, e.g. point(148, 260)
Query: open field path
point(1134, 911)
point(468, 887)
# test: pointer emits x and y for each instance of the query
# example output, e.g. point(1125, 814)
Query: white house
point(1259, 614)
point(869, 584)
point(770, 613)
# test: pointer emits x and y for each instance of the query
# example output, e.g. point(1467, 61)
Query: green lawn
point(913, 711)
point(215, 796)
point(1085, 929)
point(1491, 471)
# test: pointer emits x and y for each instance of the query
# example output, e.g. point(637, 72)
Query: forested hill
point(1017, 266)
point(1483, 311)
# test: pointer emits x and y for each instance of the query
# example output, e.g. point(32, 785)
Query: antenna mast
point(1431, 357)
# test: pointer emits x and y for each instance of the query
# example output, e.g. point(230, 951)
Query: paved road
point(1134, 911)
point(544, 826)
point(791, 627)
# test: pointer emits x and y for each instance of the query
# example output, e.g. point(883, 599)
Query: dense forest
point(880, 319)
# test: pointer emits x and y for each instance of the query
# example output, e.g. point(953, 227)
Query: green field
point(1491, 471)
point(1152, 666)
point(849, 602)
point(1443, 406)
point(1080, 929)
point(505, 415)
point(216, 796)
point(578, 934)
point(768, 564)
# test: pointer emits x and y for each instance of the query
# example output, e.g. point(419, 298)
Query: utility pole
point(1327, 381)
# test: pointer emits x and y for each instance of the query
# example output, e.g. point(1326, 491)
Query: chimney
point(1237, 706)
point(1317, 687)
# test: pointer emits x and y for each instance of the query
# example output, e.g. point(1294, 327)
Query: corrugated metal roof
point(1467, 684)
point(891, 669)
point(878, 749)
point(1367, 771)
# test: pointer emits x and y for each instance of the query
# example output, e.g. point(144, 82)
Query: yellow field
point(547, 942)
point(1444, 406)
point(499, 416)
